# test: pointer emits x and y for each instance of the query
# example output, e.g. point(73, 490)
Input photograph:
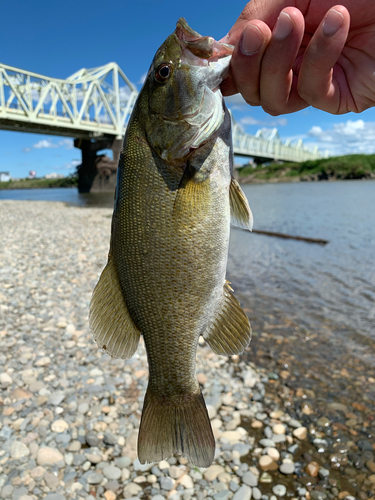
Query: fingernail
point(284, 26)
point(252, 40)
point(333, 22)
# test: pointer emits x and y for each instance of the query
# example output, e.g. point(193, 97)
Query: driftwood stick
point(289, 236)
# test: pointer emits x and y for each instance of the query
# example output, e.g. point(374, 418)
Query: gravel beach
point(69, 414)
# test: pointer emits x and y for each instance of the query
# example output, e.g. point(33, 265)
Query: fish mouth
point(204, 48)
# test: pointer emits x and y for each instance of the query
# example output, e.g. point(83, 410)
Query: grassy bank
point(335, 168)
point(70, 181)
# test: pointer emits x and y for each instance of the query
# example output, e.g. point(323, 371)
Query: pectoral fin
point(240, 212)
point(110, 321)
point(230, 332)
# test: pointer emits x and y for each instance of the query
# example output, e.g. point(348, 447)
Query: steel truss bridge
point(93, 106)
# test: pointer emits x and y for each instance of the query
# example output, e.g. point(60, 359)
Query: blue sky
point(58, 38)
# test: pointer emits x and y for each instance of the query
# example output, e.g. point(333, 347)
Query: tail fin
point(181, 426)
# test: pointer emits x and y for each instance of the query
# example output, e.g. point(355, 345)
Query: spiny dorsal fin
point(110, 322)
point(240, 212)
point(230, 332)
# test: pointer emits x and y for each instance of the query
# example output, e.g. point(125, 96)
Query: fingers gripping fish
point(165, 276)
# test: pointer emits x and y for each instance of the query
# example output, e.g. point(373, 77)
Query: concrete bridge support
point(97, 173)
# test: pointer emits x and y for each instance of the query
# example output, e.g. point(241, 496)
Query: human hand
point(311, 57)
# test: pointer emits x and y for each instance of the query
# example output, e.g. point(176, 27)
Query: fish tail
point(178, 425)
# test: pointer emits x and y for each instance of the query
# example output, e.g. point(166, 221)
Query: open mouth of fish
point(203, 52)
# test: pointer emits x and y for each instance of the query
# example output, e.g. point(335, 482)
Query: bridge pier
point(97, 173)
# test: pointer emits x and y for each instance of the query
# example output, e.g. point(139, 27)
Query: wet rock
point(312, 469)
point(279, 490)
point(243, 493)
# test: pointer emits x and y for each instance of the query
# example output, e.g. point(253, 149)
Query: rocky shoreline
point(69, 414)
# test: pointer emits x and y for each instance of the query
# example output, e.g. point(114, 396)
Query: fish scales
point(165, 277)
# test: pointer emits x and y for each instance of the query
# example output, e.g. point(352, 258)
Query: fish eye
point(163, 72)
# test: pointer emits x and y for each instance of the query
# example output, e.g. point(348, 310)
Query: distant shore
point(348, 167)
point(70, 181)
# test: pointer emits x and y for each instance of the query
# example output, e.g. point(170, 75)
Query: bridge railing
point(96, 101)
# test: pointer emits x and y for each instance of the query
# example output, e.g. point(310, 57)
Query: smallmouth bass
point(165, 276)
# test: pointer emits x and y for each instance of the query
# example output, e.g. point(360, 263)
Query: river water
point(326, 292)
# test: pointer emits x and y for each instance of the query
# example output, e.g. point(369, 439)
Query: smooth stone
point(187, 481)
point(312, 469)
point(95, 478)
point(300, 433)
point(167, 483)
point(47, 455)
point(59, 426)
point(267, 443)
point(279, 429)
point(212, 472)
point(112, 472)
point(5, 380)
point(266, 463)
point(250, 479)
point(242, 448)
point(223, 495)
point(92, 439)
point(257, 494)
point(244, 493)
point(19, 450)
point(233, 486)
point(110, 439)
point(287, 468)
point(158, 497)
point(279, 490)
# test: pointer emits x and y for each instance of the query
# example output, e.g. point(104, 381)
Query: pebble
point(266, 463)
point(5, 380)
point(279, 490)
point(48, 455)
point(59, 426)
point(94, 478)
point(112, 472)
point(250, 479)
point(212, 472)
point(167, 483)
point(243, 493)
point(300, 433)
point(19, 450)
point(287, 468)
point(312, 469)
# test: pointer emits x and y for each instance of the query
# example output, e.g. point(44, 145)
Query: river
point(327, 293)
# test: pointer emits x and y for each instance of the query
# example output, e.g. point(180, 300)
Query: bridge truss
point(96, 104)
point(90, 103)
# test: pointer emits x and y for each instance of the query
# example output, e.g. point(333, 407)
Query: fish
point(166, 273)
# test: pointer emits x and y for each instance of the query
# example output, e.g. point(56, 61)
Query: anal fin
point(230, 332)
point(240, 212)
point(110, 322)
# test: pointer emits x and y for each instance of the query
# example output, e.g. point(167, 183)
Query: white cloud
point(45, 143)
point(48, 144)
point(26, 150)
point(350, 137)
point(68, 143)
point(250, 120)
